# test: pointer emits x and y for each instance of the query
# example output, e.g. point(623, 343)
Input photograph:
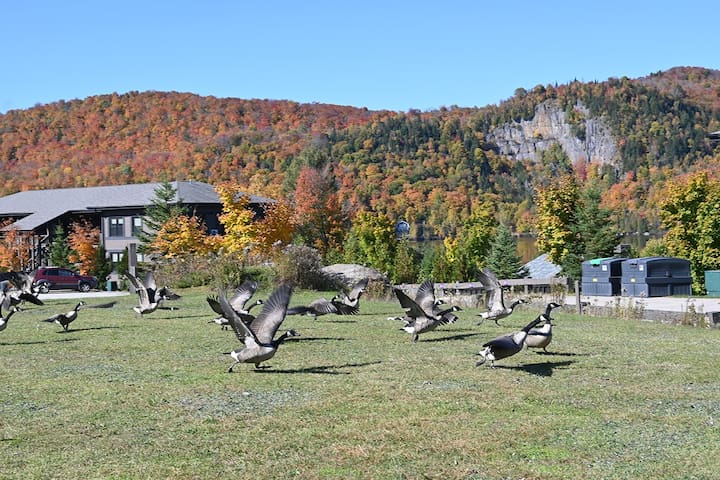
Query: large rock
point(348, 274)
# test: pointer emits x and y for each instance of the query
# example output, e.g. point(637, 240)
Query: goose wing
point(215, 305)
point(493, 290)
point(358, 289)
point(272, 314)
point(150, 286)
point(425, 296)
point(140, 290)
point(243, 293)
point(242, 331)
point(322, 306)
point(411, 307)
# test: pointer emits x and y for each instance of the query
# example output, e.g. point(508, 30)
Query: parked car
point(47, 278)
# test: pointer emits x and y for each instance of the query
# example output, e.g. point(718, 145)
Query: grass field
point(121, 397)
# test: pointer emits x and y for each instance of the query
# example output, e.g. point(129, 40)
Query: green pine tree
point(503, 258)
point(163, 208)
point(59, 248)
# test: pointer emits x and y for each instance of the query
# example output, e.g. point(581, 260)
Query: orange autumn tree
point(15, 248)
point(84, 240)
point(182, 235)
point(278, 226)
point(319, 217)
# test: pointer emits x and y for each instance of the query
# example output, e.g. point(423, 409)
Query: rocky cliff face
point(529, 138)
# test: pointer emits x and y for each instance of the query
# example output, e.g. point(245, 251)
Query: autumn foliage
point(16, 248)
point(84, 240)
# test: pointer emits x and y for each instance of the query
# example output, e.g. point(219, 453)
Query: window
point(137, 225)
point(115, 257)
point(117, 227)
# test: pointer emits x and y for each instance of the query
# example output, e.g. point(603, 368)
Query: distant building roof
point(542, 267)
point(38, 207)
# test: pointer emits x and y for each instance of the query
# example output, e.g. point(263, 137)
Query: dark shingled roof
point(41, 206)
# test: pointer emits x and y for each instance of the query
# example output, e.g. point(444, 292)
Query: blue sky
point(395, 55)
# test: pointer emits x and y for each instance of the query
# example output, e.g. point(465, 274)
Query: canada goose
point(316, 308)
point(146, 296)
point(541, 337)
point(494, 298)
point(505, 345)
point(423, 313)
point(65, 319)
point(4, 320)
point(350, 303)
point(238, 302)
point(24, 290)
point(258, 336)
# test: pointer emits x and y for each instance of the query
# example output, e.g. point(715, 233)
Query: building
point(118, 210)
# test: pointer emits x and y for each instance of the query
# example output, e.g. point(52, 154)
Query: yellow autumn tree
point(84, 240)
point(183, 235)
point(237, 218)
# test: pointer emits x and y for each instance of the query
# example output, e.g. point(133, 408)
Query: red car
point(47, 278)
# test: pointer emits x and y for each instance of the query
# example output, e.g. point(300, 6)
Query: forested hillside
point(429, 168)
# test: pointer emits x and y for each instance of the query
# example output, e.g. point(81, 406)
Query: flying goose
point(505, 345)
point(540, 337)
point(258, 337)
point(24, 290)
point(319, 307)
point(65, 319)
point(238, 302)
point(423, 313)
point(146, 295)
point(494, 300)
point(4, 320)
point(350, 302)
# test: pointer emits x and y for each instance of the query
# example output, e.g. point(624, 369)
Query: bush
point(300, 266)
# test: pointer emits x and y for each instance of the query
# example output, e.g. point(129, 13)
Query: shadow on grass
point(40, 342)
point(70, 330)
point(562, 354)
point(544, 369)
point(321, 369)
point(461, 336)
point(314, 339)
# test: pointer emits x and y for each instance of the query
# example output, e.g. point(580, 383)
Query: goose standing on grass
point(258, 337)
point(540, 337)
point(238, 302)
point(4, 320)
point(494, 298)
point(505, 345)
point(65, 319)
point(146, 296)
point(423, 313)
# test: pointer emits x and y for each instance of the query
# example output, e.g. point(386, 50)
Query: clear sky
point(395, 55)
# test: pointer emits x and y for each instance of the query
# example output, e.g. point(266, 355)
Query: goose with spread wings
point(238, 302)
point(494, 298)
point(349, 303)
point(149, 302)
point(423, 313)
point(258, 337)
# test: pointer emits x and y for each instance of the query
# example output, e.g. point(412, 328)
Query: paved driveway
point(63, 294)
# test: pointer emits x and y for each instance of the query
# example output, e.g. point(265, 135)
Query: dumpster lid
point(597, 261)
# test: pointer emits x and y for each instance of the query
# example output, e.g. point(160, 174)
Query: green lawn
point(124, 398)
